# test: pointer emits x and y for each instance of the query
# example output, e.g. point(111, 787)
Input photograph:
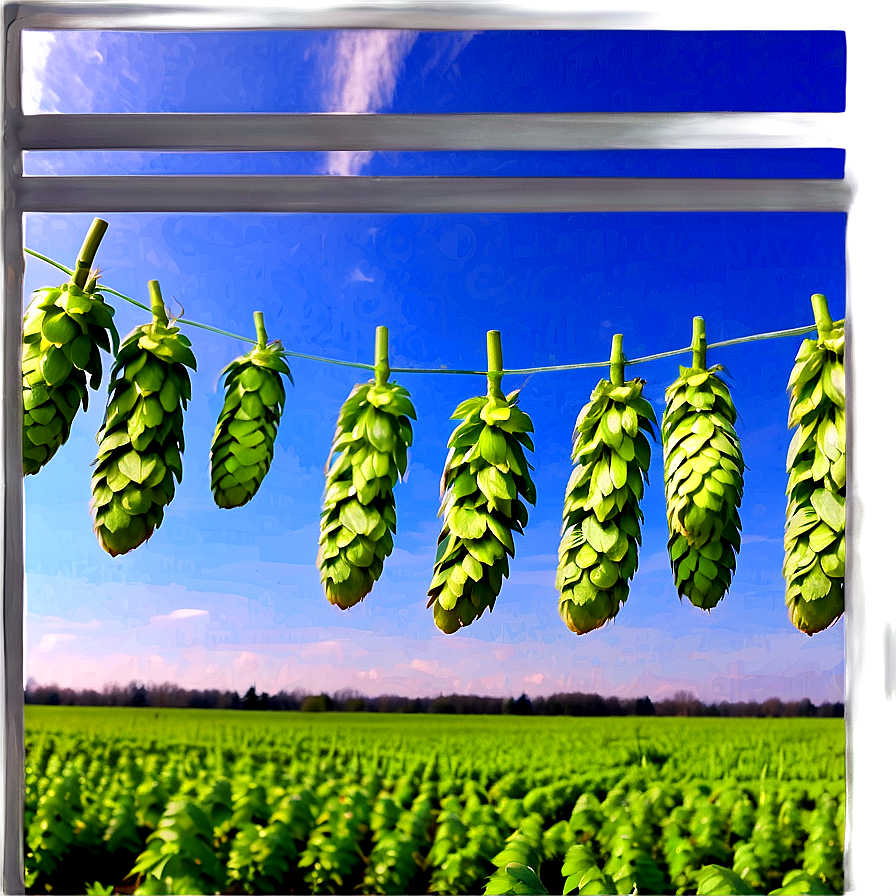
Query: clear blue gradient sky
point(232, 598)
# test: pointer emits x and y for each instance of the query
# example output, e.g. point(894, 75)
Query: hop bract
point(601, 515)
point(703, 469)
point(815, 531)
point(142, 437)
point(65, 328)
point(369, 455)
point(485, 481)
point(243, 444)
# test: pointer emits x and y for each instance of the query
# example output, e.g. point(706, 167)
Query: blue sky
point(232, 598)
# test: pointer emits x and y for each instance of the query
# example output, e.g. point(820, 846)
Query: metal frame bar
point(431, 15)
point(323, 133)
point(284, 193)
point(335, 131)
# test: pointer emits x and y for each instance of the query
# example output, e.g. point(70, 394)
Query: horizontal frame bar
point(144, 15)
point(285, 193)
point(332, 131)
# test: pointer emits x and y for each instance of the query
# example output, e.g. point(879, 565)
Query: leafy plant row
point(181, 827)
point(486, 483)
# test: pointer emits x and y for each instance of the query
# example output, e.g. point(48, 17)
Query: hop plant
point(815, 531)
point(243, 444)
point(65, 328)
point(485, 480)
point(598, 552)
point(373, 434)
point(703, 469)
point(142, 437)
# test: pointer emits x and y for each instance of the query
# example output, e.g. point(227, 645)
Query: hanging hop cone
point(486, 476)
point(142, 438)
point(370, 447)
point(65, 328)
point(815, 531)
point(243, 444)
point(703, 469)
point(601, 515)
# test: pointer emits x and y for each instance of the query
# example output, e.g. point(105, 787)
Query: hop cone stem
point(485, 481)
point(65, 329)
point(815, 530)
point(141, 441)
point(703, 469)
point(368, 457)
point(243, 444)
point(602, 518)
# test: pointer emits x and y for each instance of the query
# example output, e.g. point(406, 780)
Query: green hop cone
point(141, 441)
point(65, 328)
point(703, 468)
point(815, 531)
point(602, 518)
point(485, 480)
point(370, 447)
point(243, 444)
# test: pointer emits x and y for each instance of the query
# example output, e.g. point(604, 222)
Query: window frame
point(414, 132)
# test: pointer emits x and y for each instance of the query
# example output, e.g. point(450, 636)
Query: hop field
point(201, 801)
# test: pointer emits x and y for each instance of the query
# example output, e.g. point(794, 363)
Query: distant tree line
point(574, 704)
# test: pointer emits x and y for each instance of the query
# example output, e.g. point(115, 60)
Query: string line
point(523, 371)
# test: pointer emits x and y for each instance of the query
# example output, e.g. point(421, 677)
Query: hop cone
point(142, 437)
point(64, 330)
point(373, 434)
point(243, 445)
point(815, 532)
point(601, 517)
point(703, 469)
point(486, 476)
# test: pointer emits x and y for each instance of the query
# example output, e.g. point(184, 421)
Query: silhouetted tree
point(317, 703)
point(250, 699)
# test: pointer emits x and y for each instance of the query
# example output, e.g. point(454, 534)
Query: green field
point(205, 801)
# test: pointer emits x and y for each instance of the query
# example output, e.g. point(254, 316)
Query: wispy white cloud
point(49, 643)
point(364, 73)
point(37, 48)
point(177, 615)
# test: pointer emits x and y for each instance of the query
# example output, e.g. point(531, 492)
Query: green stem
point(617, 361)
point(260, 330)
point(88, 252)
point(381, 357)
point(698, 344)
point(495, 363)
point(157, 303)
point(822, 315)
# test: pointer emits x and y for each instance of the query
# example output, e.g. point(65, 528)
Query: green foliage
point(583, 872)
point(141, 441)
point(180, 856)
point(97, 889)
point(368, 457)
point(243, 444)
point(703, 469)
point(799, 883)
point(52, 832)
point(398, 854)
point(598, 552)
point(357, 803)
point(822, 855)
point(65, 329)
point(518, 863)
point(815, 531)
point(333, 853)
point(713, 880)
point(485, 481)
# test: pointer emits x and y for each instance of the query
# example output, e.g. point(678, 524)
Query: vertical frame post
point(12, 692)
point(870, 854)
